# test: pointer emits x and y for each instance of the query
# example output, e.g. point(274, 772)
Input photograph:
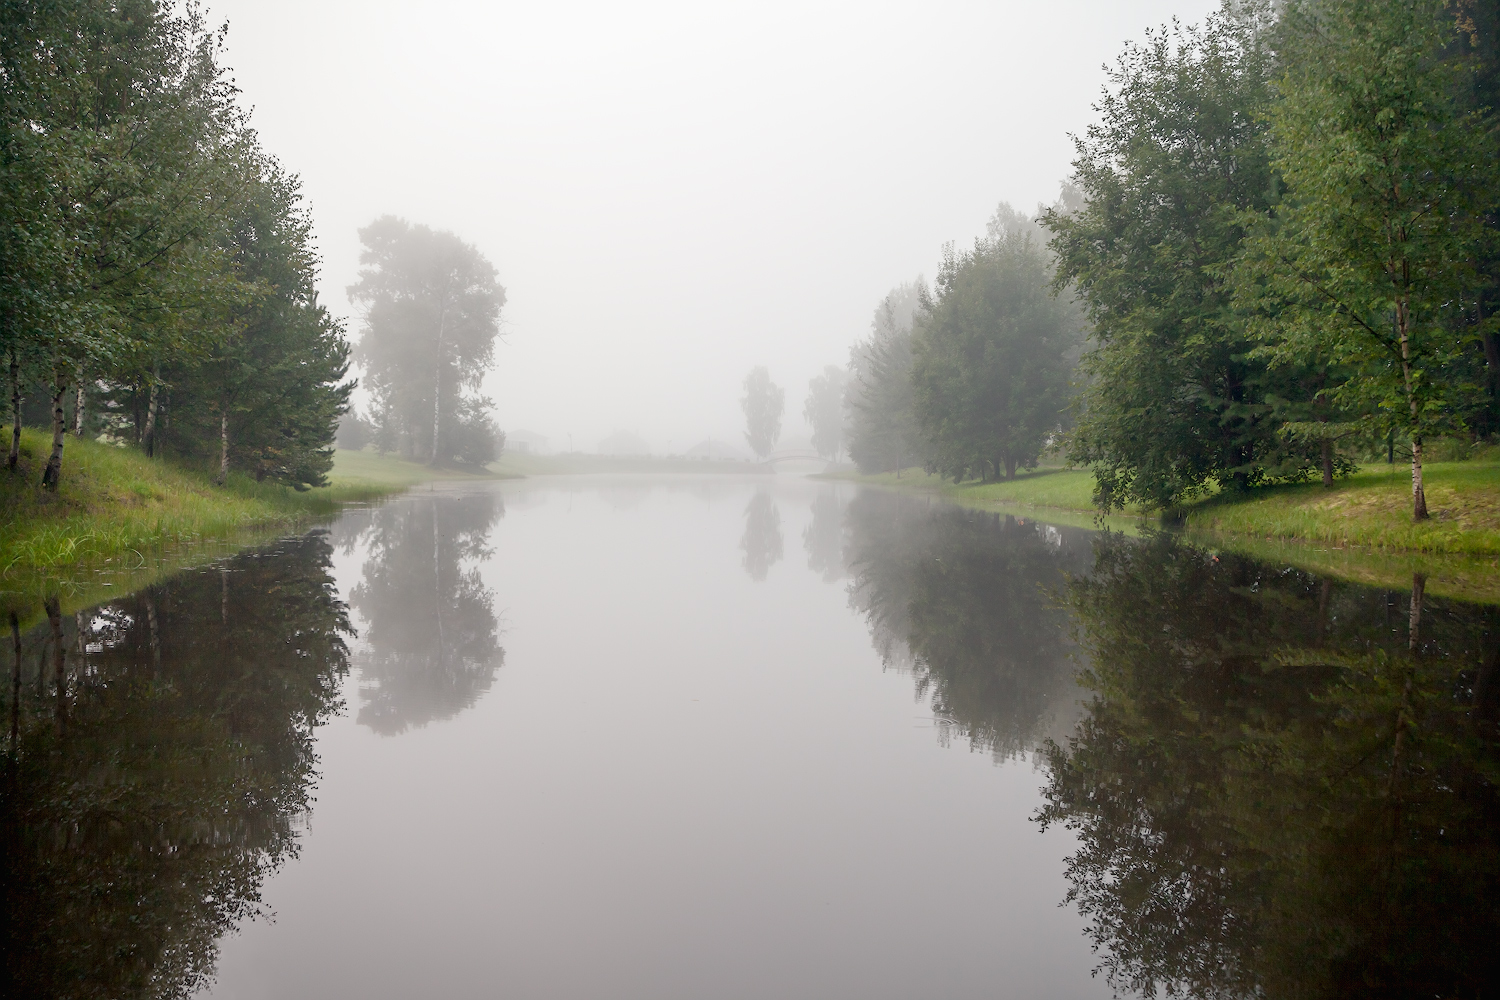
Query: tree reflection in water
point(158, 756)
point(969, 603)
point(431, 639)
point(761, 542)
point(823, 538)
point(1285, 786)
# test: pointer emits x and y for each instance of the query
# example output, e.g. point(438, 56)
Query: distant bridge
point(795, 455)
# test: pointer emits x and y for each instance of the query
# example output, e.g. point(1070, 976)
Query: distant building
point(524, 442)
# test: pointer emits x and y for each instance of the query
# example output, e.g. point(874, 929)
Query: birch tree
point(1371, 255)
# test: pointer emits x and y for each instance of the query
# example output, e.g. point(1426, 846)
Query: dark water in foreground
point(608, 738)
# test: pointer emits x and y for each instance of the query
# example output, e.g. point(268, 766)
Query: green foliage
point(147, 245)
point(990, 367)
point(1174, 404)
point(1370, 260)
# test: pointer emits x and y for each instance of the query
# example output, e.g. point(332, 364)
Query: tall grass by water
point(115, 505)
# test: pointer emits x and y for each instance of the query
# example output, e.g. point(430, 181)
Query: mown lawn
point(1371, 509)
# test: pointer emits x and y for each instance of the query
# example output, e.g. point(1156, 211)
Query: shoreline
point(1353, 531)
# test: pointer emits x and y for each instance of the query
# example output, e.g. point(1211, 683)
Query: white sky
point(674, 192)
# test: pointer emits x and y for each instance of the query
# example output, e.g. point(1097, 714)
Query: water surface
point(630, 737)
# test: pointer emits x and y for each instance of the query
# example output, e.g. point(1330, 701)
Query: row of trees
point(156, 265)
point(1287, 246)
point(971, 378)
point(1282, 242)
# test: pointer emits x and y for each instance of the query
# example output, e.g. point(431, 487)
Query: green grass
point(1360, 529)
point(1370, 510)
point(116, 506)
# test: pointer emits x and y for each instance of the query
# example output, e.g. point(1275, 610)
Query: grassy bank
point(1371, 510)
point(1361, 529)
point(116, 506)
point(120, 521)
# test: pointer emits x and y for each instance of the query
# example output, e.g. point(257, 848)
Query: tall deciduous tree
point(432, 312)
point(824, 412)
point(1173, 403)
point(881, 426)
point(266, 395)
point(990, 368)
point(1373, 254)
point(764, 402)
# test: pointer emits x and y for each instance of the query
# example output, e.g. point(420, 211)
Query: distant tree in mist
point(881, 430)
point(824, 412)
point(764, 402)
point(432, 312)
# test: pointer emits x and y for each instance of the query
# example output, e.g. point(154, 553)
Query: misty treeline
point(432, 313)
point(1277, 256)
point(156, 265)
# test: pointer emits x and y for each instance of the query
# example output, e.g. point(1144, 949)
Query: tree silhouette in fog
point(761, 543)
point(1286, 785)
point(764, 402)
point(432, 313)
point(154, 781)
point(431, 643)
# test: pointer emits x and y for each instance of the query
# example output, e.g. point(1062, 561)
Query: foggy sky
point(674, 192)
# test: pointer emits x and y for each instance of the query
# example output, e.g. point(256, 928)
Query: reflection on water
point(160, 749)
point(1285, 786)
point(823, 538)
point(431, 640)
point(761, 543)
point(1280, 785)
point(968, 602)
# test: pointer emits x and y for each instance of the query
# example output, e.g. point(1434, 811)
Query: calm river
point(651, 738)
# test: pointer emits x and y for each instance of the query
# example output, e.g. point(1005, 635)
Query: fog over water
point(673, 193)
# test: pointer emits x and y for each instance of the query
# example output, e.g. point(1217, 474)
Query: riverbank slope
point(116, 505)
point(1360, 528)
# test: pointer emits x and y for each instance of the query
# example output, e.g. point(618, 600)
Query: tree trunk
point(15, 409)
point(52, 474)
point(1418, 497)
point(1010, 467)
point(223, 447)
point(1492, 359)
point(437, 381)
point(148, 436)
point(1327, 462)
point(78, 411)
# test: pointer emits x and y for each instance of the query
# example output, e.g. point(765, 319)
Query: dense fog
point(673, 194)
